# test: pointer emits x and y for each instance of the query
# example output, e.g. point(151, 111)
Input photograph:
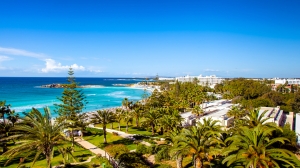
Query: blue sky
point(117, 38)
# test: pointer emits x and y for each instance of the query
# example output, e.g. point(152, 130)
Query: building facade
point(211, 80)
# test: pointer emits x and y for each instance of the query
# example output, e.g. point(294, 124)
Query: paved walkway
point(124, 135)
point(87, 145)
point(94, 149)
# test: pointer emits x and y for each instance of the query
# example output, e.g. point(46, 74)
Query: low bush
point(162, 154)
point(143, 149)
point(116, 150)
point(163, 166)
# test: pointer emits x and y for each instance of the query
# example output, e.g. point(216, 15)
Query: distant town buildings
point(203, 80)
point(287, 81)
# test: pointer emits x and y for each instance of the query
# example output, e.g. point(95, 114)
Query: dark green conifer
point(72, 99)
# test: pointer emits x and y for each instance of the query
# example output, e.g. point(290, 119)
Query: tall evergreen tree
point(73, 100)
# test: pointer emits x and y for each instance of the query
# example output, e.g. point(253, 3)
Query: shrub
point(143, 149)
point(93, 131)
point(162, 154)
point(163, 166)
point(116, 150)
point(139, 137)
point(106, 161)
point(132, 160)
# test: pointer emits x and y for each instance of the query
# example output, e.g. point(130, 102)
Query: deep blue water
point(23, 93)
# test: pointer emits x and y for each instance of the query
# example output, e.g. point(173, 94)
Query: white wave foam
point(90, 94)
point(29, 107)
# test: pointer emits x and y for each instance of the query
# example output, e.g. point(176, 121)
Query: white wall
point(297, 127)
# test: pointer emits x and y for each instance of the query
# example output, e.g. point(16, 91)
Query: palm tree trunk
point(198, 163)
point(127, 127)
point(137, 122)
point(48, 158)
point(3, 118)
point(72, 137)
point(104, 133)
point(119, 126)
point(179, 161)
point(152, 126)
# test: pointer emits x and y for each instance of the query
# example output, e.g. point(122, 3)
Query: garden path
point(124, 135)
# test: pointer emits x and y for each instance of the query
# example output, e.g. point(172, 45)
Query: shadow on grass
point(189, 165)
point(120, 141)
point(17, 159)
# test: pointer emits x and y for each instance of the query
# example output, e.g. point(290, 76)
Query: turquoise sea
point(23, 93)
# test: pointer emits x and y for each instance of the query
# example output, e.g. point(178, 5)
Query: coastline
point(149, 88)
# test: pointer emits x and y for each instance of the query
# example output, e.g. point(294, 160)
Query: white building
point(274, 114)
point(289, 81)
point(277, 116)
point(297, 128)
point(211, 80)
point(216, 110)
point(166, 79)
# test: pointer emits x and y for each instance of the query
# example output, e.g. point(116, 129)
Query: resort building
point(211, 80)
point(166, 79)
point(216, 110)
point(274, 114)
point(297, 128)
point(277, 116)
point(287, 81)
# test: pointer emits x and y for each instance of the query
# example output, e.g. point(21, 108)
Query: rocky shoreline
point(59, 85)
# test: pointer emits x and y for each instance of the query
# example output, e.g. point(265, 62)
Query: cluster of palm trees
point(252, 143)
point(36, 134)
point(155, 119)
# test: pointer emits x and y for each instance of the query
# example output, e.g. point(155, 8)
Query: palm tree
point(198, 111)
point(66, 153)
point(126, 103)
point(119, 116)
point(253, 148)
point(39, 134)
point(4, 109)
point(178, 149)
point(254, 118)
point(203, 141)
point(127, 117)
point(236, 112)
point(137, 112)
point(152, 118)
point(170, 120)
point(102, 117)
point(13, 117)
point(6, 134)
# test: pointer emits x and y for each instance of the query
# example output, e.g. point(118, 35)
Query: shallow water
point(23, 93)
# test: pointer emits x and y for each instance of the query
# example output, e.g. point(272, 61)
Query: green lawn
point(111, 139)
point(132, 129)
point(79, 153)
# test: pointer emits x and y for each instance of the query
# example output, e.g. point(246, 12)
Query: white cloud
point(2, 59)
point(95, 69)
point(211, 70)
point(53, 66)
point(14, 51)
